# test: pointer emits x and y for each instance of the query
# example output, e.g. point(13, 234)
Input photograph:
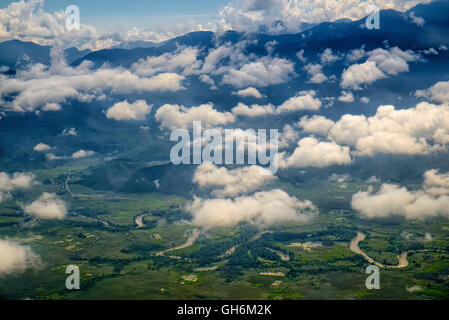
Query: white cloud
point(312, 153)
point(392, 200)
point(316, 125)
point(82, 154)
point(364, 99)
point(304, 100)
point(418, 130)
point(249, 92)
point(300, 56)
point(47, 206)
point(51, 157)
point(250, 15)
point(260, 73)
point(231, 183)
point(287, 136)
point(430, 52)
point(346, 96)
point(356, 54)
point(41, 147)
point(380, 64)
point(358, 74)
point(435, 183)
point(175, 116)
point(129, 111)
point(16, 258)
point(267, 208)
point(315, 73)
point(39, 86)
point(183, 60)
point(416, 20)
point(253, 111)
point(439, 92)
point(339, 178)
point(327, 57)
point(69, 132)
point(16, 181)
point(204, 78)
point(393, 61)
point(51, 107)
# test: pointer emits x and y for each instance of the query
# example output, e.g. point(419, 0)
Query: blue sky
point(104, 14)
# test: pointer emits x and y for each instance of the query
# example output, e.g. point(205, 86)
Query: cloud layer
point(392, 200)
point(266, 208)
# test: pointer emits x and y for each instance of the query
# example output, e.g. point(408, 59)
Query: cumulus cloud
point(280, 16)
point(417, 130)
point(315, 73)
point(364, 99)
point(356, 54)
point(249, 92)
point(287, 136)
point(260, 73)
point(392, 200)
point(16, 181)
point(313, 153)
point(316, 125)
point(204, 78)
point(47, 206)
point(253, 111)
point(346, 96)
point(327, 57)
point(380, 64)
point(358, 74)
point(16, 258)
point(439, 92)
point(128, 111)
point(230, 183)
point(82, 154)
point(392, 61)
point(176, 116)
point(38, 86)
point(183, 60)
point(266, 208)
point(435, 183)
point(41, 147)
point(304, 100)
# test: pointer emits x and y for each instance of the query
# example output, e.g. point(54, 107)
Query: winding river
point(190, 241)
point(354, 247)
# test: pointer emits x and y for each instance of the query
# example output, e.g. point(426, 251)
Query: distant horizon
point(105, 24)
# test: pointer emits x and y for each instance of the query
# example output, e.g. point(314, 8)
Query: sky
point(106, 14)
point(105, 23)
